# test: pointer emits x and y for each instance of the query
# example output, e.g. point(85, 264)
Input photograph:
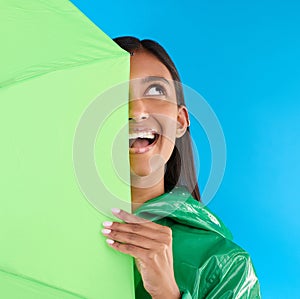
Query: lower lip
point(143, 150)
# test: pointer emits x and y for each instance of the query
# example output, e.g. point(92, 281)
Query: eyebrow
point(155, 78)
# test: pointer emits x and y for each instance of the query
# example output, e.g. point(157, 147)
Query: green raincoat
point(207, 264)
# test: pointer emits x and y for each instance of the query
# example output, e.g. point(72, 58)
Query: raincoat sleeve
point(234, 279)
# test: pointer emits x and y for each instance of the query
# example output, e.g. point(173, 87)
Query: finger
point(130, 218)
point(135, 228)
point(132, 250)
point(164, 235)
point(133, 239)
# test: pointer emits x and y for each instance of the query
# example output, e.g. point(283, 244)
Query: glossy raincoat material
point(207, 263)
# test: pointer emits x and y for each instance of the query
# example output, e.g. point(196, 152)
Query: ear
point(183, 121)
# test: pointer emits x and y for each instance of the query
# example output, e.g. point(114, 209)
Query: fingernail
point(107, 223)
point(115, 210)
point(109, 241)
point(106, 231)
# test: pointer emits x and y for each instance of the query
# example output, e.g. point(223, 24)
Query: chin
point(144, 167)
point(145, 177)
point(140, 172)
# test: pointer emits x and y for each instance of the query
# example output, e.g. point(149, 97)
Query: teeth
point(136, 135)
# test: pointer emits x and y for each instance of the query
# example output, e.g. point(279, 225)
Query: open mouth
point(141, 141)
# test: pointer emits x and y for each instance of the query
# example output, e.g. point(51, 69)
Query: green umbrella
point(54, 65)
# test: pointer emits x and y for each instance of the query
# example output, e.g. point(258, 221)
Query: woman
point(184, 251)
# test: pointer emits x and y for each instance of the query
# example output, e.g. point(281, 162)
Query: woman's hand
point(151, 246)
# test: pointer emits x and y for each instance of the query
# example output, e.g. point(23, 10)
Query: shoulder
point(206, 265)
point(197, 245)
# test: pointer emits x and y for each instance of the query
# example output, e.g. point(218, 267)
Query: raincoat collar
point(179, 206)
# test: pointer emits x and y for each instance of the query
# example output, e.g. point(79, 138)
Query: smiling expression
point(154, 116)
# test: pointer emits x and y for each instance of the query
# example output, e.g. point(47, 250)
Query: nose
point(137, 110)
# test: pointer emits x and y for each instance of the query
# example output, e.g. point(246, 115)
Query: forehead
point(144, 64)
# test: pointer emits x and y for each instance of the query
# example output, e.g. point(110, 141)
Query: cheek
point(169, 127)
point(167, 148)
point(167, 143)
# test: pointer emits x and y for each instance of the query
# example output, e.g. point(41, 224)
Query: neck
point(140, 194)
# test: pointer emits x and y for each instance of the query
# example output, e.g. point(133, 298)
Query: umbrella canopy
point(54, 63)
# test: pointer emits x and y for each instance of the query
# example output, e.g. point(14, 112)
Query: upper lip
point(142, 133)
point(135, 129)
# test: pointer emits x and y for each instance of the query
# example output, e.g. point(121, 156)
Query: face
point(155, 120)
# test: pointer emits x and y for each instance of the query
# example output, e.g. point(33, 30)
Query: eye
point(155, 90)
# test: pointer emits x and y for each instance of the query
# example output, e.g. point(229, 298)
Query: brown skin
point(150, 243)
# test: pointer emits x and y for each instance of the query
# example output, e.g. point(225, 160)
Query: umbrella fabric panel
point(15, 287)
point(49, 232)
point(40, 36)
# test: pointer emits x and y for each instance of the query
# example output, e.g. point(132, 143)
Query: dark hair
point(180, 169)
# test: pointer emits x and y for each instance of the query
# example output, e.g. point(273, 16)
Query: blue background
point(244, 59)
